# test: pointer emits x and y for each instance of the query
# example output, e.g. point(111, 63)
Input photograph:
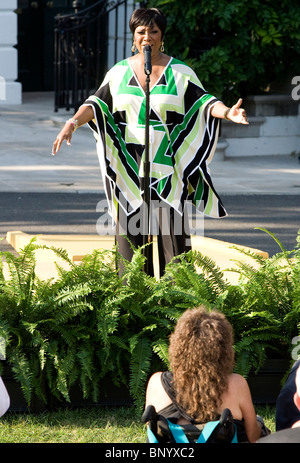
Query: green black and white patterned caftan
point(183, 138)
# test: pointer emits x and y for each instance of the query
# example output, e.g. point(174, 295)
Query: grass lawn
point(89, 425)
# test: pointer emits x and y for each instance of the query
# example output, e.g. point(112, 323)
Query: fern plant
point(33, 320)
point(95, 324)
point(263, 307)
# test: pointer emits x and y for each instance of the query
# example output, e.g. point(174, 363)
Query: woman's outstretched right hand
point(82, 116)
point(65, 134)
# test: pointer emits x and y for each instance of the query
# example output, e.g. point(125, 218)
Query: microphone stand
point(147, 238)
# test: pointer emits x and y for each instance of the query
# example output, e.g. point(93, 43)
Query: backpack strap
point(208, 429)
point(152, 439)
point(178, 433)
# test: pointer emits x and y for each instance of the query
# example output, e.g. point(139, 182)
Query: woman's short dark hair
point(147, 17)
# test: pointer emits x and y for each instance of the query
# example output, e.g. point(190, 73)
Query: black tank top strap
point(174, 412)
point(167, 382)
point(174, 408)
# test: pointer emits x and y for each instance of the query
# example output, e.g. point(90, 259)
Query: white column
point(120, 33)
point(10, 90)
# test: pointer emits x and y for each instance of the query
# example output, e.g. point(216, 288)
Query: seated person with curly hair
point(201, 383)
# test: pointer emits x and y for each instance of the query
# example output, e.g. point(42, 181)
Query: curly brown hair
point(201, 359)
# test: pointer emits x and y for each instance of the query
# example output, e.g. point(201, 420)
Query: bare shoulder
point(237, 382)
point(155, 380)
point(155, 394)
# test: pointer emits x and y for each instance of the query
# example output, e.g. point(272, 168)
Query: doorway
point(36, 41)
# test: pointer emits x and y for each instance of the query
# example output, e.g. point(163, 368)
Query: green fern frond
point(211, 270)
point(86, 361)
point(61, 382)
point(161, 349)
point(121, 343)
point(60, 252)
point(284, 251)
point(107, 322)
point(250, 358)
point(22, 373)
point(139, 369)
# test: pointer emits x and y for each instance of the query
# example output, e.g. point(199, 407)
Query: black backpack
point(161, 430)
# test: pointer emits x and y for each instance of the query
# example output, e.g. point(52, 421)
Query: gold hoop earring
point(162, 48)
point(133, 48)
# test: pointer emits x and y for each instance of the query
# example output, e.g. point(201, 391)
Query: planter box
point(17, 400)
point(266, 384)
point(112, 396)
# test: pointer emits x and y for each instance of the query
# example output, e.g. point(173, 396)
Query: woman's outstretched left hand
point(237, 114)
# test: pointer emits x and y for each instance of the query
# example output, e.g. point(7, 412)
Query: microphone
point(147, 60)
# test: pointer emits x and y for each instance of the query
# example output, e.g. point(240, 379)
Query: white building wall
point(112, 37)
point(274, 128)
point(10, 90)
